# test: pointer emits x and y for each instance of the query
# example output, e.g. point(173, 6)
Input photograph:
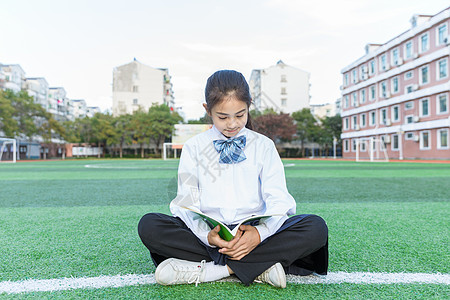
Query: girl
point(231, 172)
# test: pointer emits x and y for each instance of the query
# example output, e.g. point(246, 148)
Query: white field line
point(47, 285)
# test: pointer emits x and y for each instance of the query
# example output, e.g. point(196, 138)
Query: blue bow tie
point(231, 150)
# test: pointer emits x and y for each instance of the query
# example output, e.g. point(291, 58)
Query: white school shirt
point(231, 192)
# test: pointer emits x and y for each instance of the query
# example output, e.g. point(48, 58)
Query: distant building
point(14, 77)
point(60, 105)
point(38, 89)
point(323, 110)
point(79, 108)
point(137, 86)
point(280, 87)
point(92, 110)
point(398, 93)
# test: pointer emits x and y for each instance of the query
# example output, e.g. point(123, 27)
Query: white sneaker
point(274, 276)
point(178, 271)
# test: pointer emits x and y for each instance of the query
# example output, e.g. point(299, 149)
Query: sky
point(76, 44)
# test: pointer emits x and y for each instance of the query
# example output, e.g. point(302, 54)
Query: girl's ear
point(206, 109)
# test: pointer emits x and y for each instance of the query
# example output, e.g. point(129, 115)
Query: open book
point(225, 232)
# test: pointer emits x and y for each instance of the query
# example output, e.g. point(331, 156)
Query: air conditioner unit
point(400, 62)
point(416, 138)
point(387, 67)
point(388, 95)
point(357, 127)
point(415, 55)
point(356, 104)
point(415, 87)
point(416, 119)
point(447, 40)
point(388, 122)
point(387, 139)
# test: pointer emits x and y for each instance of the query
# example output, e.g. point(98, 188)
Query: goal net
point(371, 149)
point(8, 150)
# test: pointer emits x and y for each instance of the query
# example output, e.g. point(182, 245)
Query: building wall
point(137, 86)
point(14, 77)
point(410, 108)
point(281, 87)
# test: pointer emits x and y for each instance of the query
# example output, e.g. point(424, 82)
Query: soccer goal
point(374, 147)
point(171, 147)
point(8, 154)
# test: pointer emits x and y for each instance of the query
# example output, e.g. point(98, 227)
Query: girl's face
point(229, 116)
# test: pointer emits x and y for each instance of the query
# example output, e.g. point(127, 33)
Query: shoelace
point(194, 274)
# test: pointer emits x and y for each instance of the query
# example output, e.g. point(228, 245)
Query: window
point(423, 75)
point(363, 72)
point(394, 144)
point(425, 140)
point(409, 105)
point(354, 100)
point(395, 113)
point(135, 88)
point(346, 100)
point(283, 91)
point(345, 79)
point(441, 33)
point(442, 104)
point(394, 85)
point(346, 125)
point(395, 57)
point(372, 118)
point(363, 119)
point(409, 119)
point(283, 101)
point(409, 136)
point(363, 96)
point(362, 146)
point(442, 136)
point(135, 101)
point(353, 145)
point(372, 92)
point(409, 75)
point(383, 89)
point(424, 107)
point(354, 77)
point(383, 116)
point(354, 122)
point(283, 78)
point(383, 62)
point(441, 69)
point(424, 42)
point(372, 67)
point(346, 148)
point(409, 88)
point(409, 49)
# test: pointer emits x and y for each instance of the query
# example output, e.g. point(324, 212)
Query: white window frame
point(346, 79)
point(421, 101)
point(372, 67)
point(438, 73)
point(374, 88)
point(409, 72)
point(383, 89)
point(355, 99)
point(439, 141)
point(421, 82)
point(346, 101)
point(411, 117)
point(393, 114)
point(421, 44)
point(354, 122)
point(393, 85)
point(438, 42)
point(373, 118)
point(438, 104)
point(407, 87)
point(353, 145)
point(363, 146)
point(346, 146)
point(383, 62)
point(409, 102)
point(383, 121)
point(346, 124)
point(393, 136)
point(395, 60)
point(363, 120)
point(363, 96)
point(422, 147)
point(409, 136)
point(412, 49)
point(354, 76)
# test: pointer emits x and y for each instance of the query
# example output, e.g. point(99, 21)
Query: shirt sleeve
point(274, 192)
point(188, 194)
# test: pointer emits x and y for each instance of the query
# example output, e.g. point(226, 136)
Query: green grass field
point(79, 218)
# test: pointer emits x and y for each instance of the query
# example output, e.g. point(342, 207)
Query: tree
point(306, 127)
point(277, 127)
point(332, 127)
point(162, 123)
point(8, 124)
point(103, 130)
point(122, 126)
point(206, 119)
point(141, 123)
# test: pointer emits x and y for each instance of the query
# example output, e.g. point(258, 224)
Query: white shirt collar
point(217, 135)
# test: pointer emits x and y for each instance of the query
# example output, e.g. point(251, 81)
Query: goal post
point(4, 150)
point(168, 146)
point(374, 146)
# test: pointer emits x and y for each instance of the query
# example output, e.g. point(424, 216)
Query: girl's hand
point(215, 240)
point(248, 241)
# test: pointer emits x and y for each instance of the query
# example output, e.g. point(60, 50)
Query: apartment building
point(14, 77)
point(280, 87)
point(395, 99)
point(38, 88)
point(137, 86)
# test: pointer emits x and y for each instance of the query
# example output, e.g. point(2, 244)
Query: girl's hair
point(225, 84)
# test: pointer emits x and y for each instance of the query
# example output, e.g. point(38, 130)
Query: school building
point(395, 99)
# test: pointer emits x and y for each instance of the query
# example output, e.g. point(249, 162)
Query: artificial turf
point(79, 218)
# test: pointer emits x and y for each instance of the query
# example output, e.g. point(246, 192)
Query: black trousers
point(301, 246)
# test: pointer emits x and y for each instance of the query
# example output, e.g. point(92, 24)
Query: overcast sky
point(76, 44)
